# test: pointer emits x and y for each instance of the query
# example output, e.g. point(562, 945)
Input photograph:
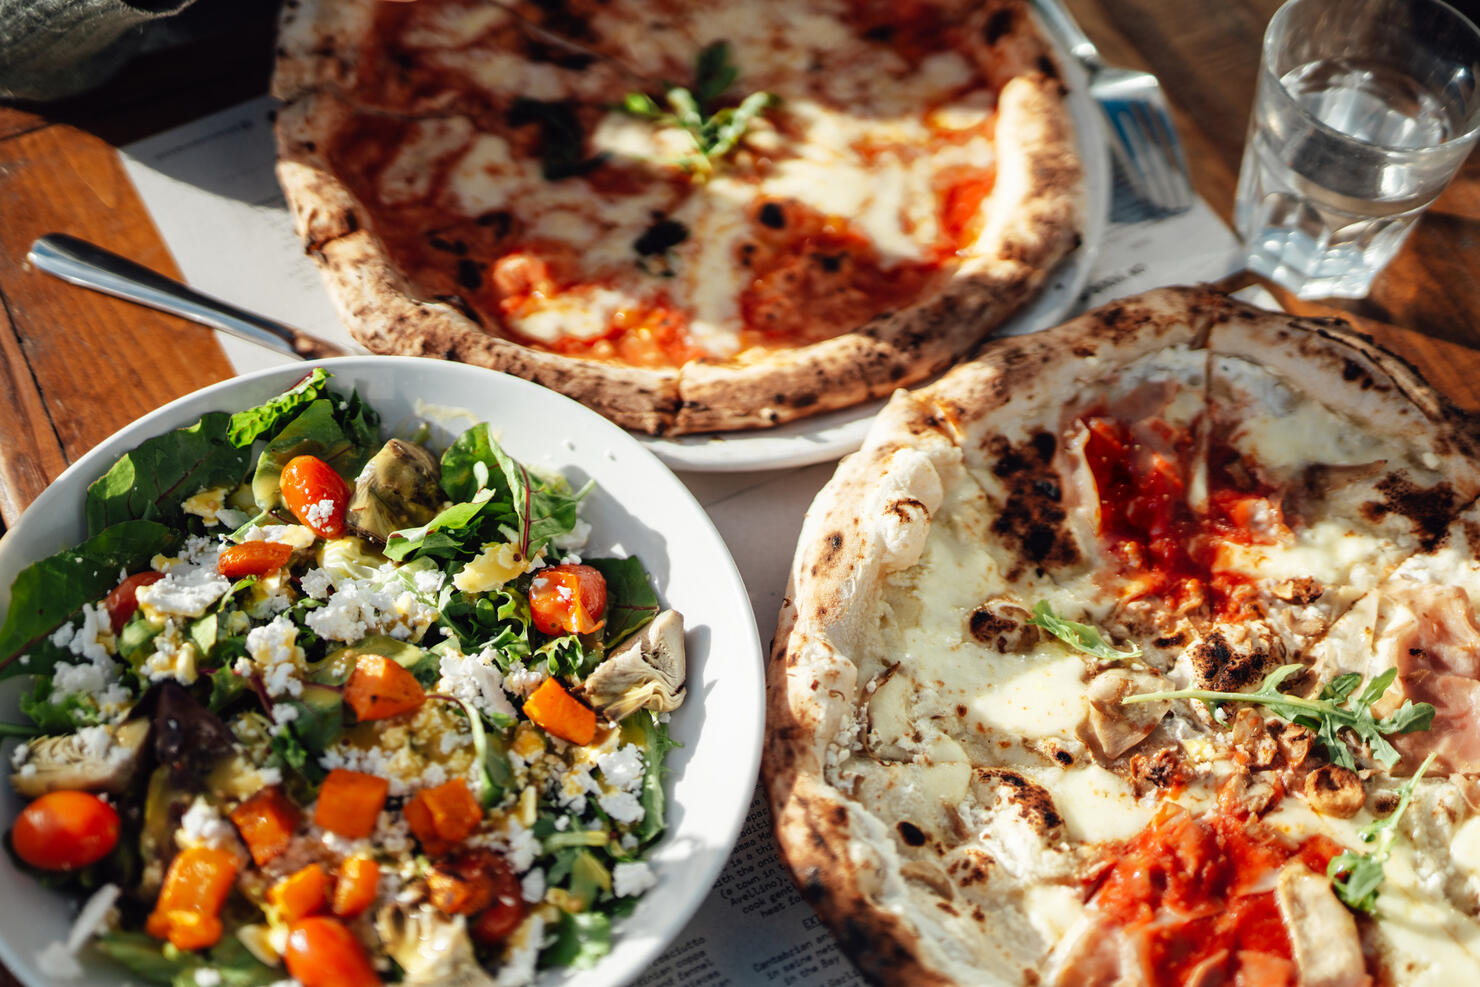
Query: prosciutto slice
point(1433, 640)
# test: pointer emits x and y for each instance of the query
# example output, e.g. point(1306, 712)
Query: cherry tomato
point(65, 830)
point(316, 495)
point(252, 558)
point(567, 599)
point(503, 916)
point(323, 953)
point(122, 600)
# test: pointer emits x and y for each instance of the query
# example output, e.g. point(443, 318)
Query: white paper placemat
point(210, 189)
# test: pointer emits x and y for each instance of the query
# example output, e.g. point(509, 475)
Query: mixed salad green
point(308, 704)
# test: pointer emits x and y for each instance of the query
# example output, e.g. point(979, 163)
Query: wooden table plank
point(96, 363)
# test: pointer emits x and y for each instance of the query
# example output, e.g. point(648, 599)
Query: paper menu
point(211, 191)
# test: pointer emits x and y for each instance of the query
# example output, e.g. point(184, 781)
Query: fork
point(1142, 137)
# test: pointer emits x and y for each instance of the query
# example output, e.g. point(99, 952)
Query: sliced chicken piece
point(1323, 933)
point(1116, 727)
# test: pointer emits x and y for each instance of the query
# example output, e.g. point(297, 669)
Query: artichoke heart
point(647, 672)
point(399, 488)
point(431, 948)
point(77, 761)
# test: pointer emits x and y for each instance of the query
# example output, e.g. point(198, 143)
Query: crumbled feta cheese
point(476, 680)
point(532, 887)
point(621, 768)
point(320, 513)
point(207, 977)
point(185, 591)
point(293, 535)
point(522, 846)
point(276, 656)
point(92, 639)
point(628, 841)
point(623, 807)
point(632, 879)
point(270, 775)
point(523, 951)
point(27, 770)
point(173, 657)
point(202, 825)
point(379, 604)
point(574, 786)
point(316, 583)
point(523, 681)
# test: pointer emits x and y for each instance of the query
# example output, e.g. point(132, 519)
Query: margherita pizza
point(1144, 650)
point(690, 216)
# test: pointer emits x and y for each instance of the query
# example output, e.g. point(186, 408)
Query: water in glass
point(1324, 203)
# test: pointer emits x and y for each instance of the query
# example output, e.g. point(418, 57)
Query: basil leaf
point(152, 481)
point(713, 72)
point(50, 592)
point(1080, 637)
point(630, 599)
point(248, 426)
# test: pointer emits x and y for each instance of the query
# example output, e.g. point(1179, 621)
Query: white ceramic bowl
point(639, 508)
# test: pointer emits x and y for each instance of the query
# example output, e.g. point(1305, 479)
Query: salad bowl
point(636, 508)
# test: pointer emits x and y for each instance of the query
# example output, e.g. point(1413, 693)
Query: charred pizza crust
point(1033, 220)
point(895, 867)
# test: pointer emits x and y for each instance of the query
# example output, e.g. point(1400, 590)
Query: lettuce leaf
point(250, 425)
point(152, 481)
point(340, 437)
point(580, 940)
point(538, 508)
point(630, 599)
point(49, 593)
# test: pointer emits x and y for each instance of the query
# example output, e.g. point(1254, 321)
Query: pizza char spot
point(987, 626)
point(470, 274)
point(1220, 668)
point(662, 236)
point(1063, 757)
point(997, 25)
point(1174, 640)
point(960, 710)
point(1047, 67)
point(771, 214)
point(1430, 510)
point(499, 220)
point(911, 834)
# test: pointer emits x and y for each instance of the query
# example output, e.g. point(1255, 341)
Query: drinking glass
point(1363, 112)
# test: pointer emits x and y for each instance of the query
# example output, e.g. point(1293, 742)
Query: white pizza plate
point(638, 508)
point(828, 436)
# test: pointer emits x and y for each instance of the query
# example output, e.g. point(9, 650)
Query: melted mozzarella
point(1098, 805)
point(1043, 697)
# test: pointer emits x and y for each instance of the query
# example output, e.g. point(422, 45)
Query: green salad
point(308, 704)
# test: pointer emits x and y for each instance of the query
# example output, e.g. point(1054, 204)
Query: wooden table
point(76, 366)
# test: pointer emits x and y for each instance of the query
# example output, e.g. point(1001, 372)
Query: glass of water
point(1363, 113)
